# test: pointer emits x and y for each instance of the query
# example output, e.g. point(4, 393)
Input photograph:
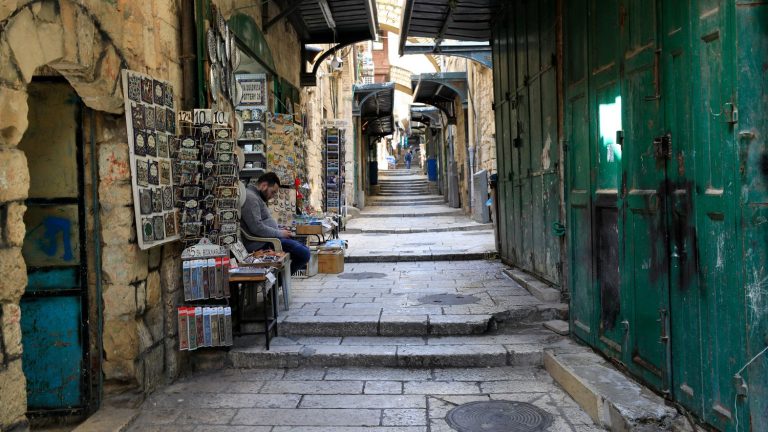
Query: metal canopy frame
point(463, 20)
point(374, 104)
point(440, 90)
point(426, 115)
point(337, 22)
point(480, 52)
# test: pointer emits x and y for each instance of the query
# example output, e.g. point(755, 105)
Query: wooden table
point(252, 284)
point(283, 266)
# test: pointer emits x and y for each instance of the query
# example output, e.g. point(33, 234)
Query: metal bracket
point(289, 10)
point(662, 147)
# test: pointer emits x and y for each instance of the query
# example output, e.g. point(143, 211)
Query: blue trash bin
point(432, 169)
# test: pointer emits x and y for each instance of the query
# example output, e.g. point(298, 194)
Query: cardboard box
point(309, 229)
point(330, 261)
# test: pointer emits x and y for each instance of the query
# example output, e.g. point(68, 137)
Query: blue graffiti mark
point(48, 241)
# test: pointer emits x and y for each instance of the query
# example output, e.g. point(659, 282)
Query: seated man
point(257, 220)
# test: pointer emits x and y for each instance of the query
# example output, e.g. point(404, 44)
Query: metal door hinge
point(741, 385)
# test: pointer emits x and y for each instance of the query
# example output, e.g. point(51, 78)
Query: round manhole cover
point(362, 275)
point(498, 416)
point(449, 299)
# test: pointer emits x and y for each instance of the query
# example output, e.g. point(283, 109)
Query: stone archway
point(64, 36)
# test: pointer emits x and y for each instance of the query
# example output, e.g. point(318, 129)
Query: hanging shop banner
point(151, 123)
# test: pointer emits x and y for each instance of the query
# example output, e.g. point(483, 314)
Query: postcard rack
point(205, 278)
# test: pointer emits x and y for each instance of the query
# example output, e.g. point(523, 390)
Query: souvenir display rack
point(206, 172)
point(205, 277)
point(333, 175)
point(250, 123)
point(151, 127)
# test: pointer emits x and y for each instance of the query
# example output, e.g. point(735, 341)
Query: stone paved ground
point(347, 399)
point(423, 246)
point(366, 350)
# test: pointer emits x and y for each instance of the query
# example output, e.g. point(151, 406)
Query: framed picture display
point(150, 119)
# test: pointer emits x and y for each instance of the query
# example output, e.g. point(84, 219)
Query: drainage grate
point(362, 275)
point(449, 299)
point(498, 416)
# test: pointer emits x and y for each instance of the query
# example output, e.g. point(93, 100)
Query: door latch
point(662, 147)
point(731, 113)
point(663, 321)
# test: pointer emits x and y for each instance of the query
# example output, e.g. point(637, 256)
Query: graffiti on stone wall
point(55, 231)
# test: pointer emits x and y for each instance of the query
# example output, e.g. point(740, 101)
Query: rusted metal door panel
point(527, 132)
point(54, 305)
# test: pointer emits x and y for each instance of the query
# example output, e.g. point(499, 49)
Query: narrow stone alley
point(394, 343)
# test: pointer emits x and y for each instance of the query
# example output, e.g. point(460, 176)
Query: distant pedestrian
point(408, 159)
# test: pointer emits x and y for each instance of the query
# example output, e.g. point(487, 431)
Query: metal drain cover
point(449, 299)
point(498, 416)
point(361, 275)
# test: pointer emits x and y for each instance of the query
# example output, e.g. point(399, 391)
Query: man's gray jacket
point(256, 219)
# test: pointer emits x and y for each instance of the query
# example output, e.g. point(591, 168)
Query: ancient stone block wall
point(89, 42)
point(330, 99)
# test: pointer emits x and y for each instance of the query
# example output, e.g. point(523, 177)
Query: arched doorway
point(54, 307)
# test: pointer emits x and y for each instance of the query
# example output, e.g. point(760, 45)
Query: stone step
point(405, 352)
point(384, 325)
point(400, 192)
point(458, 256)
point(405, 203)
point(406, 230)
point(447, 212)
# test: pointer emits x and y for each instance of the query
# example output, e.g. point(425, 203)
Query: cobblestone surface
point(347, 399)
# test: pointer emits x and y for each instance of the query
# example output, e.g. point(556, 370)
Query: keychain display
point(207, 172)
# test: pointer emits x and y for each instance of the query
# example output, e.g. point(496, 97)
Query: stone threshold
point(402, 352)
point(537, 288)
point(611, 398)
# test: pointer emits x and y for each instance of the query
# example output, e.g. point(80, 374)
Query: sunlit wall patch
point(610, 123)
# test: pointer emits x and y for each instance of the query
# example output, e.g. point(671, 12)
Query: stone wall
point(88, 43)
point(480, 123)
point(330, 99)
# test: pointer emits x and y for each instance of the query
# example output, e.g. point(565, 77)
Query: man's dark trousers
point(299, 253)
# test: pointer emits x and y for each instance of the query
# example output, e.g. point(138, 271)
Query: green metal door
point(579, 182)
point(643, 227)
point(716, 199)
